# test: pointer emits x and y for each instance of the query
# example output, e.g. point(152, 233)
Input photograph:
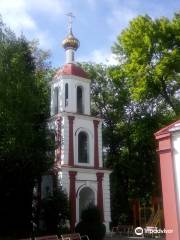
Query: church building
point(78, 157)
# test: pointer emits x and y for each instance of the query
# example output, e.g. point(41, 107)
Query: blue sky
point(96, 25)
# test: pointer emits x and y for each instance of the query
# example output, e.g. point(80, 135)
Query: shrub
point(91, 224)
point(54, 212)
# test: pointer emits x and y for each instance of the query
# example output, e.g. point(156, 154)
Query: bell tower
point(78, 159)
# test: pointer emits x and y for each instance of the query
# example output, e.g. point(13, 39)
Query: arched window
point(83, 147)
point(79, 99)
point(66, 94)
point(56, 100)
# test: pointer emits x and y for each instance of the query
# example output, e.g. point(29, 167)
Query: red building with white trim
point(168, 139)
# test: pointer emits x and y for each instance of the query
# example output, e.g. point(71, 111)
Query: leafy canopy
point(25, 145)
point(150, 52)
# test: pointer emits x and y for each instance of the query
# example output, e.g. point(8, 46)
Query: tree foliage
point(128, 140)
point(150, 52)
point(54, 212)
point(24, 141)
point(135, 99)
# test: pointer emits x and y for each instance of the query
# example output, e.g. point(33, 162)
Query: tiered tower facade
point(79, 137)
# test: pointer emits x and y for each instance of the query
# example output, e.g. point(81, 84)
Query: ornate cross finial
point(70, 43)
point(70, 17)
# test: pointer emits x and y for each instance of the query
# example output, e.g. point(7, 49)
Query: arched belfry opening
point(83, 147)
point(56, 100)
point(86, 199)
point(66, 94)
point(80, 99)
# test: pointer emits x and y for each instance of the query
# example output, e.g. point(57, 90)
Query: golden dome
point(70, 42)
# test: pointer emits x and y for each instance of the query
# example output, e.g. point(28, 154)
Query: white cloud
point(92, 3)
point(19, 15)
point(15, 15)
point(45, 40)
point(120, 17)
point(99, 56)
point(121, 12)
point(48, 7)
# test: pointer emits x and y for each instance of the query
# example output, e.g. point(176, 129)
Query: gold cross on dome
point(70, 17)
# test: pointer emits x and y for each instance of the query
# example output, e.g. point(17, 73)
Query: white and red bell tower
point(79, 137)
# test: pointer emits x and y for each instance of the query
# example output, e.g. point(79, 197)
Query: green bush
point(91, 224)
point(54, 213)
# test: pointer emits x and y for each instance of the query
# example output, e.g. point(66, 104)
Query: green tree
point(149, 51)
point(128, 128)
point(55, 212)
point(25, 145)
point(149, 55)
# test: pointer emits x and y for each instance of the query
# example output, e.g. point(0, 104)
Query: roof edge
point(167, 129)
